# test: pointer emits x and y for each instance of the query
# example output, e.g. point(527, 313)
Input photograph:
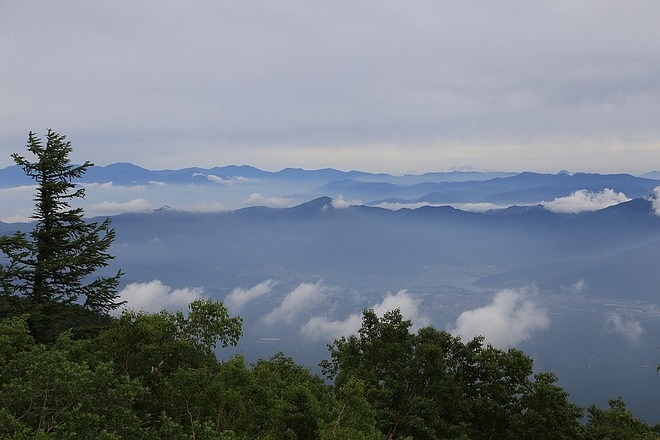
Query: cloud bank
point(234, 180)
point(655, 200)
point(322, 328)
point(583, 200)
point(239, 296)
point(154, 296)
point(257, 199)
point(629, 329)
point(113, 208)
point(341, 203)
point(511, 318)
point(302, 298)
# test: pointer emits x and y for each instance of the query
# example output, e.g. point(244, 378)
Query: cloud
point(302, 298)
point(111, 208)
point(221, 180)
point(341, 203)
point(112, 186)
point(272, 202)
point(154, 296)
point(576, 287)
point(471, 207)
point(322, 328)
point(239, 296)
point(478, 207)
point(655, 200)
point(18, 218)
point(485, 97)
point(631, 329)
point(511, 318)
point(208, 207)
point(583, 200)
point(405, 302)
point(395, 206)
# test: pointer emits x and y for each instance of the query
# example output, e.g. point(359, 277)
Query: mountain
point(323, 259)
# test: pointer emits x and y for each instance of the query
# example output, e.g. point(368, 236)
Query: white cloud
point(576, 287)
point(405, 302)
point(629, 329)
point(341, 203)
point(99, 185)
point(208, 207)
point(272, 202)
point(239, 296)
point(302, 298)
point(395, 206)
point(112, 186)
point(478, 207)
point(583, 200)
point(471, 207)
point(18, 218)
point(511, 318)
point(322, 328)
point(230, 181)
point(155, 296)
point(111, 208)
point(655, 200)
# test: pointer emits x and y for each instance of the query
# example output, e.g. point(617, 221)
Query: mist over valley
point(563, 266)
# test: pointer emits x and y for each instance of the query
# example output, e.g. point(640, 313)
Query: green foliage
point(548, 413)
point(154, 376)
point(617, 422)
point(48, 320)
point(352, 418)
point(55, 262)
point(54, 391)
point(147, 345)
point(431, 385)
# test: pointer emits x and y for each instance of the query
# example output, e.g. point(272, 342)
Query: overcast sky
point(393, 86)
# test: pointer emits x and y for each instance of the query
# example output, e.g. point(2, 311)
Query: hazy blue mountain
point(593, 274)
point(372, 188)
point(521, 188)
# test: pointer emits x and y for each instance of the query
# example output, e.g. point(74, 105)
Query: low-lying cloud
point(113, 208)
point(583, 200)
point(240, 296)
point(322, 328)
point(655, 200)
point(272, 202)
point(302, 298)
point(629, 329)
point(341, 203)
point(154, 296)
point(234, 180)
point(576, 287)
point(511, 318)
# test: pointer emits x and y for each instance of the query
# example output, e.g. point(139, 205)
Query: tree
point(431, 385)
point(150, 345)
point(61, 391)
point(616, 422)
point(56, 261)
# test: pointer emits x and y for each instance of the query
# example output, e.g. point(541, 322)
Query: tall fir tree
point(56, 261)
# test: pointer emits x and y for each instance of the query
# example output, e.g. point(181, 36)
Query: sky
point(379, 86)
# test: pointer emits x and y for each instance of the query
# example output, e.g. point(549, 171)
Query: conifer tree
point(56, 261)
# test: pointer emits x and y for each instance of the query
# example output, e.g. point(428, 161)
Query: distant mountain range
point(234, 185)
point(322, 246)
